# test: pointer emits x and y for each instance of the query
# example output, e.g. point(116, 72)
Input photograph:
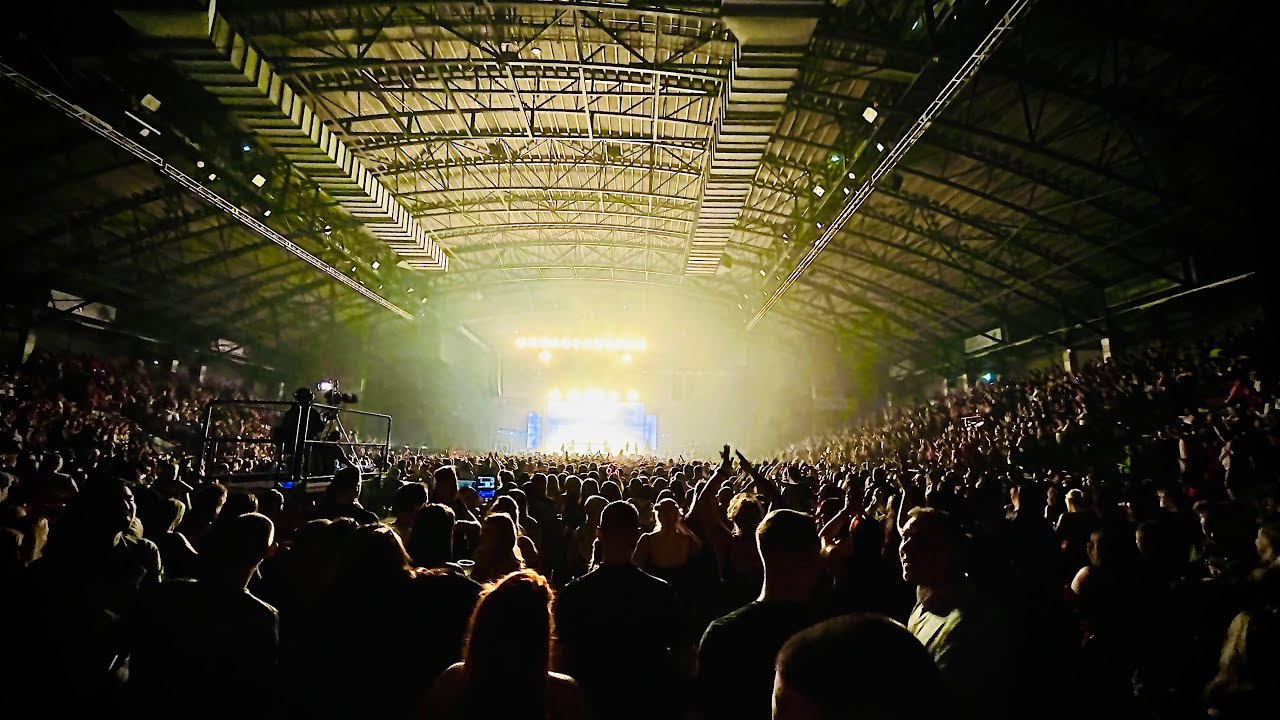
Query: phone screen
point(486, 486)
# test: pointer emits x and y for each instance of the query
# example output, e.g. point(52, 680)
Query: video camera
point(334, 396)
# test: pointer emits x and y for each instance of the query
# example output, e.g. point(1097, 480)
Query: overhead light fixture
point(200, 163)
point(328, 230)
point(258, 181)
point(852, 176)
point(870, 114)
point(266, 213)
point(537, 52)
point(835, 157)
point(880, 147)
point(144, 132)
point(423, 300)
point(545, 356)
point(353, 268)
point(375, 265)
point(762, 272)
point(213, 176)
point(819, 225)
point(819, 190)
point(786, 236)
point(409, 290)
point(739, 306)
point(746, 296)
point(246, 147)
point(150, 102)
point(626, 359)
point(846, 190)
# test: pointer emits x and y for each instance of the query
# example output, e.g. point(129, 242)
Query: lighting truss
point(589, 344)
point(966, 71)
point(105, 130)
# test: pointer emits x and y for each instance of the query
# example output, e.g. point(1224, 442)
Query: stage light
point(762, 272)
point(632, 396)
point(266, 213)
point(610, 344)
point(852, 176)
point(521, 343)
point(577, 343)
point(870, 114)
point(626, 359)
point(614, 397)
point(597, 344)
point(375, 265)
point(246, 147)
point(150, 102)
point(988, 376)
point(554, 395)
point(819, 190)
point(536, 52)
point(846, 190)
point(836, 157)
point(353, 268)
point(880, 147)
point(409, 290)
point(200, 164)
point(328, 229)
point(545, 356)
point(259, 181)
point(642, 344)
point(213, 176)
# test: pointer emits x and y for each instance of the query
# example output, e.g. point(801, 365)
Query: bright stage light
point(632, 396)
point(545, 356)
point(521, 343)
point(599, 344)
point(626, 359)
point(554, 394)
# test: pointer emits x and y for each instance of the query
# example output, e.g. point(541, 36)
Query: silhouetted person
point(506, 668)
point(736, 657)
point(621, 628)
point(857, 667)
point(208, 648)
point(341, 498)
point(964, 631)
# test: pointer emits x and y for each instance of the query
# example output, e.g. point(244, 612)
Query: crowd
point(1103, 540)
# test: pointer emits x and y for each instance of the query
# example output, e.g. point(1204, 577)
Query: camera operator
point(290, 435)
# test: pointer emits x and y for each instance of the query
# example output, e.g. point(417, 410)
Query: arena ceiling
point(699, 148)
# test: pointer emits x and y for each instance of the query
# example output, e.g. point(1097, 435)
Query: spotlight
point(409, 290)
point(537, 52)
point(423, 300)
point(632, 396)
point(762, 273)
point(852, 176)
point(150, 102)
point(988, 376)
point(836, 157)
point(626, 359)
point(259, 181)
point(642, 344)
point(819, 225)
point(554, 394)
point(739, 306)
point(266, 213)
point(545, 356)
point(786, 236)
point(328, 229)
point(353, 268)
point(200, 163)
point(846, 190)
point(375, 265)
point(246, 147)
point(880, 147)
point(819, 190)
point(213, 176)
point(870, 114)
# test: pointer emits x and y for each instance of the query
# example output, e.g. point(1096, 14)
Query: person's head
point(1268, 544)
point(932, 548)
point(409, 499)
point(104, 509)
point(304, 396)
point(1075, 500)
point(745, 512)
point(508, 639)
point(373, 557)
point(619, 531)
point(240, 503)
point(271, 502)
point(431, 543)
point(498, 532)
point(538, 485)
point(593, 507)
point(208, 500)
point(790, 551)
point(857, 666)
point(1111, 546)
point(446, 484)
point(668, 514)
point(236, 547)
point(345, 487)
point(169, 514)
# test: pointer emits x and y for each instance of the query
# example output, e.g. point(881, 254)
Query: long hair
point(508, 646)
point(374, 557)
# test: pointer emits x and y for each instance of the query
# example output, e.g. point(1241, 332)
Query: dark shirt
point(620, 630)
point(736, 658)
point(206, 649)
point(353, 510)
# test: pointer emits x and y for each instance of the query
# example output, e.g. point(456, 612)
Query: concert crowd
point(1104, 541)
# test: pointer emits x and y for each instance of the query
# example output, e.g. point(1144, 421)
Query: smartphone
point(486, 486)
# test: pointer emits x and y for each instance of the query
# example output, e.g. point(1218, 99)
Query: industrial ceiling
point(905, 174)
